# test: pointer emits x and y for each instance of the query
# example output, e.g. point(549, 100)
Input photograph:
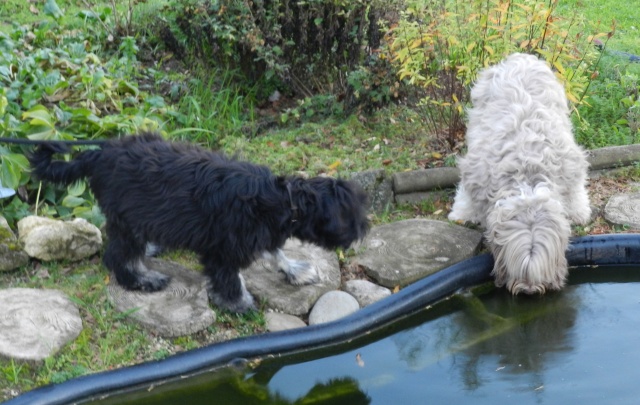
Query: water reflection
point(578, 345)
point(521, 334)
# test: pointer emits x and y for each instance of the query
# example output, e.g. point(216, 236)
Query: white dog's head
point(528, 236)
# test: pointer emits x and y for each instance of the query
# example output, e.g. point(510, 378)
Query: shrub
point(305, 46)
point(440, 45)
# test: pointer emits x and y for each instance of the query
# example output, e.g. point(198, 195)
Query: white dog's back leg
point(463, 208)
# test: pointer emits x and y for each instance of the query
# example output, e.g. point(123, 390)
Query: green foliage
point(305, 46)
point(440, 45)
point(214, 106)
point(612, 114)
point(312, 108)
point(54, 86)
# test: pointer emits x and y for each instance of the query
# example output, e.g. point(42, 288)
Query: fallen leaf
point(387, 162)
point(34, 10)
point(396, 289)
point(335, 165)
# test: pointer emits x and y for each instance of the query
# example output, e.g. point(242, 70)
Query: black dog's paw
point(242, 304)
point(152, 281)
point(153, 250)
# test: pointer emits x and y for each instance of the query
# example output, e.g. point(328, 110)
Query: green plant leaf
point(51, 8)
point(9, 175)
point(76, 189)
point(72, 201)
point(39, 116)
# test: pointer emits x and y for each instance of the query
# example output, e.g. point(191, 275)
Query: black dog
point(228, 211)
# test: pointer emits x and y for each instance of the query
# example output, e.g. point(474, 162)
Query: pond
point(579, 344)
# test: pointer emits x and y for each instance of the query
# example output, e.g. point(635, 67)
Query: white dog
point(523, 177)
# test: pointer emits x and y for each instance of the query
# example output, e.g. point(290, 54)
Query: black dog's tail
point(61, 172)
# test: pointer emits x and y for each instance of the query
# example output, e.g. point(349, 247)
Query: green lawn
point(626, 15)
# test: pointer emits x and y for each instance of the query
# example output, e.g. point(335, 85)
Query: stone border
point(413, 186)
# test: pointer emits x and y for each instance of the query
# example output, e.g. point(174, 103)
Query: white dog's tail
point(528, 235)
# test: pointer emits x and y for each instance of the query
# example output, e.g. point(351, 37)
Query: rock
point(277, 322)
point(378, 187)
point(365, 292)
point(402, 252)
point(11, 254)
point(332, 306)
point(425, 180)
point(49, 239)
point(180, 309)
point(268, 284)
point(34, 324)
point(624, 209)
point(418, 197)
point(613, 156)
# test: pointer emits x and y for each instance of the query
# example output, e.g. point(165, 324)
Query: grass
point(206, 106)
point(625, 14)
point(108, 340)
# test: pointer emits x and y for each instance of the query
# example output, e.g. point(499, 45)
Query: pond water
point(579, 345)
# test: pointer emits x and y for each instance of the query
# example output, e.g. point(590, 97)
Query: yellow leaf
point(415, 44)
point(489, 49)
point(558, 66)
point(396, 289)
point(335, 165)
point(471, 46)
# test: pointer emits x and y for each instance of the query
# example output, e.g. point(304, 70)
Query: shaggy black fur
point(228, 211)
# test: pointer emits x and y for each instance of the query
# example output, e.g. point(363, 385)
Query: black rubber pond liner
point(619, 249)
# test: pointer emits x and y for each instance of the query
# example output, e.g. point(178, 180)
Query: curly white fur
point(523, 177)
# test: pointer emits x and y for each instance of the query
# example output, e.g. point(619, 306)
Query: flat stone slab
point(624, 209)
point(36, 323)
point(268, 284)
point(402, 252)
point(180, 309)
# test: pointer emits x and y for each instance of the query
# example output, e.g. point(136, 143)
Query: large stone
point(11, 254)
point(402, 252)
point(332, 306)
point(378, 187)
point(49, 239)
point(180, 309)
point(365, 292)
point(624, 209)
point(268, 284)
point(34, 324)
